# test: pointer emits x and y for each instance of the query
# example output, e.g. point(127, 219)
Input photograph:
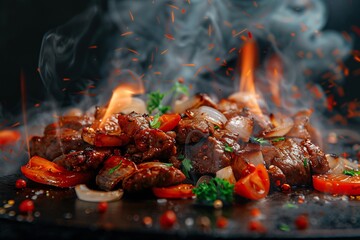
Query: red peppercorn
point(102, 207)
point(221, 222)
point(256, 226)
point(302, 222)
point(168, 219)
point(20, 183)
point(255, 212)
point(285, 188)
point(26, 206)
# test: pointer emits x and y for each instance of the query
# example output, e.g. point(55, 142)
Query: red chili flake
point(277, 183)
point(20, 183)
point(183, 11)
point(93, 46)
point(256, 226)
point(221, 222)
point(345, 155)
point(285, 187)
point(255, 212)
point(302, 222)
point(26, 206)
point(168, 219)
point(249, 34)
point(102, 207)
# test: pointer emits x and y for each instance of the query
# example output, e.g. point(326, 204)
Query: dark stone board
point(60, 215)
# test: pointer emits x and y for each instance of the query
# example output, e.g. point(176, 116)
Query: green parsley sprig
point(112, 170)
point(215, 189)
point(351, 173)
point(260, 141)
point(186, 167)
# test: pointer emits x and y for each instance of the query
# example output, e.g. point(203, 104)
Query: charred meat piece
point(57, 142)
point(154, 144)
point(192, 130)
point(301, 121)
point(88, 159)
point(294, 160)
point(131, 123)
point(209, 155)
point(71, 122)
point(115, 169)
point(153, 174)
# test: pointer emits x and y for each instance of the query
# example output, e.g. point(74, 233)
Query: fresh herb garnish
point(215, 189)
point(155, 102)
point(305, 161)
point(216, 127)
point(260, 141)
point(168, 164)
point(228, 148)
point(112, 170)
point(278, 139)
point(181, 157)
point(351, 173)
point(186, 166)
point(155, 123)
point(284, 227)
point(290, 205)
point(156, 98)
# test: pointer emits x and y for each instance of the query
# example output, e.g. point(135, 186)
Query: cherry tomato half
point(169, 121)
point(46, 172)
point(177, 191)
point(337, 184)
point(255, 185)
point(168, 219)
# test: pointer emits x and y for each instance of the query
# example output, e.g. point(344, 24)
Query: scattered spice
point(218, 204)
point(256, 226)
point(204, 222)
point(285, 188)
point(147, 221)
point(222, 222)
point(102, 207)
point(168, 219)
point(26, 206)
point(302, 222)
point(20, 183)
point(255, 212)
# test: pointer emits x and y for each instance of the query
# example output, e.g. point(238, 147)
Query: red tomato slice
point(46, 172)
point(169, 121)
point(255, 185)
point(8, 137)
point(178, 191)
point(337, 184)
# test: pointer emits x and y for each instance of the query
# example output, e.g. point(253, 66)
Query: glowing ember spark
point(188, 64)
point(133, 51)
point(169, 36)
point(126, 34)
point(237, 34)
point(93, 46)
point(131, 16)
point(173, 6)
point(164, 52)
point(172, 17)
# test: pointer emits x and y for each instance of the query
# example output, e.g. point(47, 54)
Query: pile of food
point(243, 151)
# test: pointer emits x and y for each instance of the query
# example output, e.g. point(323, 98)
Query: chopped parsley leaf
point(260, 141)
point(112, 170)
point(216, 127)
point(155, 123)
point(305, 161)
point(186, 166)
point(215, 189)
point(228, 148)
point(278, 139)
point(351, 173)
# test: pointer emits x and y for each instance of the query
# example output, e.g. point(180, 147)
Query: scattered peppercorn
point(256, 226)
point(221, 222)
point(255, 212)
point(218, 204)
point(102, 207)
point(285, 188)
point(26, 206)
point(302, 222)
point(20, 183)
point(147, 221)
point(168, 219)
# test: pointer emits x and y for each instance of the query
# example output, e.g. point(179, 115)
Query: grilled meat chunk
point(208, 155)
point(131, 123)
point(153, 174)
point(84, 160)
point(192, 130)
point(296, 159)
point(115, 169)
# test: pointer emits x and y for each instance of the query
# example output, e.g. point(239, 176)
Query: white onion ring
point(137, 105)
point(210, 114)
point(339, 164)
point(282, 128)
point(242, 126)
point(227, 174)
point(86, 194)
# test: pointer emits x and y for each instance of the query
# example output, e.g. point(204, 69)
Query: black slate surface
point(59, 214)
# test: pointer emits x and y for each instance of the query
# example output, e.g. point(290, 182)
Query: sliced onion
point(227, 174)
point(210, 114)
point(339, 164)
point(86, 194)
point(254, 157)
point(180, 106)
point(137, 105)
point(242, 126)
point(282, 127)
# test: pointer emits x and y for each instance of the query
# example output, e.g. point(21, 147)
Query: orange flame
point(247, 89)
point(274, 73)
point(121, 99)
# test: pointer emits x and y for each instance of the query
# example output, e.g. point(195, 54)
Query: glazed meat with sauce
point(293, 161)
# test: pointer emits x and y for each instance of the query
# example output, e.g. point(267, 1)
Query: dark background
point(23, 24)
